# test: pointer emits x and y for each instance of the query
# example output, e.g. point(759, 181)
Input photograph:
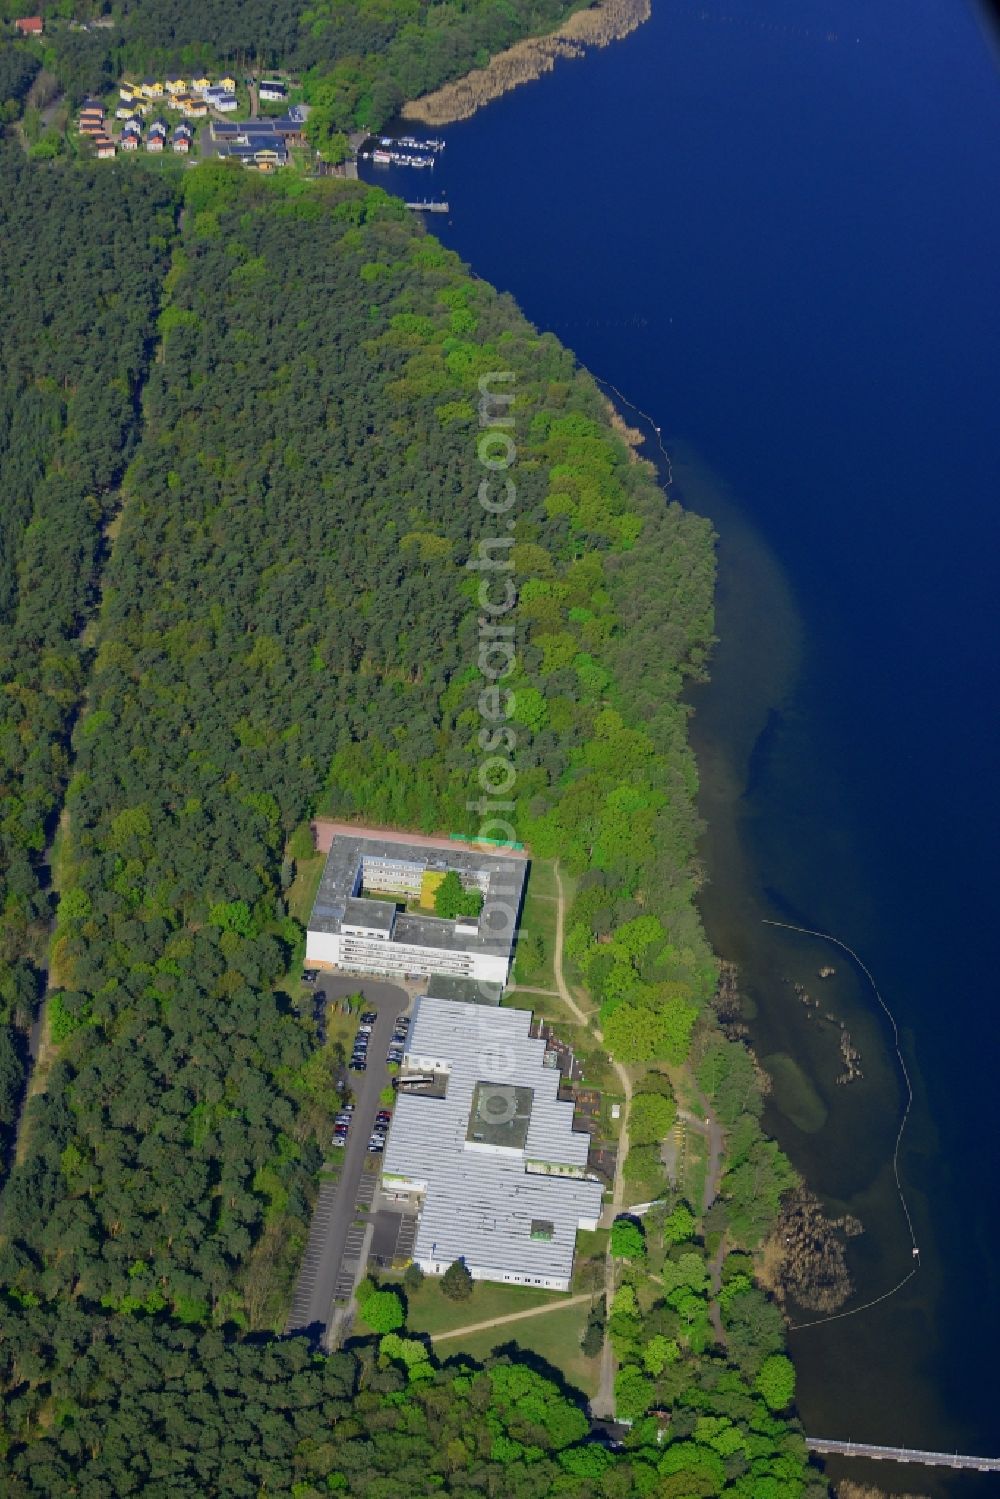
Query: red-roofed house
point(30, 25)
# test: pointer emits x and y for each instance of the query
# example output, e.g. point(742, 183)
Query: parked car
point(365, 1030)
point(369, 1017)
point(404, 1021)
point(376, 1147)
point(343, 1118)
point(384, 1116)
point(358, 1064)
point(319, 998)
point(340, 1141)
point(310, 976)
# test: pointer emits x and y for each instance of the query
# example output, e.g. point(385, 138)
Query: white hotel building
point(350, 930)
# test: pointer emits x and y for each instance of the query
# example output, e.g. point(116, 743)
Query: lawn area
point(302, 891)
point(694, 1167)
point(549, 1007)
point(588, 1266)
point(340, 1027)
point(430, 1311)
point(537, 933)
point(555, 1337)
point(597, 1070)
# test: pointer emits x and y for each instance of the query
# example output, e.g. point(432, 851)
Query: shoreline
point(528, 60)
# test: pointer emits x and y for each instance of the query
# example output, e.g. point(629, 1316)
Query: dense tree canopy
point(76, 315)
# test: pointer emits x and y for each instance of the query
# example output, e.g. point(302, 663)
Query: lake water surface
point(776, 227)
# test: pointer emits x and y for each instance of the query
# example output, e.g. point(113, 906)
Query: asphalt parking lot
point(334, 1214)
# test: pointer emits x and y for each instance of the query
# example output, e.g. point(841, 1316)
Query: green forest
point(239, 432)
point(76, 324)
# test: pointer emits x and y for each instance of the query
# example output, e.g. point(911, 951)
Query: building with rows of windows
point(364, 918)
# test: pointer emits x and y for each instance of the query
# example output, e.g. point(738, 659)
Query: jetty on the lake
point(830, 1448)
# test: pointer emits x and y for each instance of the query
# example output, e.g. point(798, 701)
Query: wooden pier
point(829, 1448)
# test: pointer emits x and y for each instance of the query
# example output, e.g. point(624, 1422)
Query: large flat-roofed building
point(357, 924)
point(484, 1149)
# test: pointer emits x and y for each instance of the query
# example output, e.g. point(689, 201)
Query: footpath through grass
point(430, 1311)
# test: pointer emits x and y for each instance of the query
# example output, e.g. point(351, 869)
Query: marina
point(401, 151)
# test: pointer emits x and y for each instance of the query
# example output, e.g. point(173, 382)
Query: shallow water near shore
point(775, 227)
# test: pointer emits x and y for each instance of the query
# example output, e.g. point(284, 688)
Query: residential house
point(229, 84)
point(129, 91)
point(130, 140)
point(273, 91)
point(181, 142)
point(159, 127)
point(105, 147)
point(175, 84)
point(200, 85)
point(30, 26)
point(194, 109)
point(155, 140)
point(152, 88)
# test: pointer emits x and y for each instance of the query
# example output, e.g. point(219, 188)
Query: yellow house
point(128, 91)
point(176, 85)
point(201, 84)
point(229, 84)
point(152, 88)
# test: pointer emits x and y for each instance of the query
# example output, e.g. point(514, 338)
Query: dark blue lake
point(776, 227)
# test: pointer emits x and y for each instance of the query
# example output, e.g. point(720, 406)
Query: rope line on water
point(644, 416)
point(853, 1312)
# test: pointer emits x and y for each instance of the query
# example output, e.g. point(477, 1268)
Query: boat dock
point(428, 207)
